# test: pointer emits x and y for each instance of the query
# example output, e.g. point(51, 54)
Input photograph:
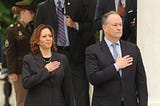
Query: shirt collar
point(62, 2)
point(109, 42)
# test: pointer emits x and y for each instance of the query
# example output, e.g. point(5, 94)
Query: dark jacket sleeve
point(11, 50)
point(141, 81)
point(67, 85)
point(32, 76)
point(99, 12)
point(86, 23)
point(39, 15)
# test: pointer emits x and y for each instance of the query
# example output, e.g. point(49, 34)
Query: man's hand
point(69, 22)
point(13, 77)
point(121, 11)
point(123, 62)
point(133, 22)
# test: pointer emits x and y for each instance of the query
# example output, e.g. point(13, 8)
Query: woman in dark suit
point(45, 73)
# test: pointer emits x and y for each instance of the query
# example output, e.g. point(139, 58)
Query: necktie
point(61, 33)
point(115, 54)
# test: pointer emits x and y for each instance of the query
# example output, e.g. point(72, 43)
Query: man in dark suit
point(128, 11)
point(78, 23)
point(115, 68)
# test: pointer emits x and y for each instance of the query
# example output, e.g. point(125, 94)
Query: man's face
point(113, 28)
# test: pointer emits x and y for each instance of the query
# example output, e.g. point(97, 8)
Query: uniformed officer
point(17, 45)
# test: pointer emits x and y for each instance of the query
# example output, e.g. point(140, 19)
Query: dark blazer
point(78, 10)
point(104, 6)
point(109, 87)
point(44, 88)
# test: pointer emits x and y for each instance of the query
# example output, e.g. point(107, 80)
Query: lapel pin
point(68, 3)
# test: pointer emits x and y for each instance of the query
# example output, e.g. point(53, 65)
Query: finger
point(128, 64)
point(55, 63)
point(126, 56)
point(129, 59)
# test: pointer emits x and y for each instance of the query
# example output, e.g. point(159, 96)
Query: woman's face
point(45, 39)
point(27, 15)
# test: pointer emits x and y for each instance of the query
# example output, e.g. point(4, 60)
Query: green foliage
point(5, 19)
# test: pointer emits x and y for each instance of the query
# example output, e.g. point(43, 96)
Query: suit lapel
point(106, 50)
point(127, 6)
point(124, 52)
point(38, 59)
point(68, 6)
point(113, 5)
point(107, 53)
point(54, 57)
point(123, 48)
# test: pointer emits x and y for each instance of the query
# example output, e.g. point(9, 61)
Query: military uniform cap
point(25, 5)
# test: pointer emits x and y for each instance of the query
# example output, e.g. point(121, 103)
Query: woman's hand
point(52, 66)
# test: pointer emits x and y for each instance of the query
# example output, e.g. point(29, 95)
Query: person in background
point(72, 22)
point(46, 73)
point(1, 54)
point(7, 85)
point(127, 9)
point(115, 68)
point(17, 45)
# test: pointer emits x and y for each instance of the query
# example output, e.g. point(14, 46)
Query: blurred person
point(7, 85)
point(17, 45)
point(115, 68)
point(127, 9)
point(72, 22)
point(46, 74)
point(1, 54)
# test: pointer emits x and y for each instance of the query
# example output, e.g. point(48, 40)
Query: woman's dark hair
point(35, 38)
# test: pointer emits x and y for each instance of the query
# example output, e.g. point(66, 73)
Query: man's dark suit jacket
point(108, 85)
point(104, 6)
point(78, 10)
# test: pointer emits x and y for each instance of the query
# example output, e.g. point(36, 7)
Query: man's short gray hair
point(106, 15)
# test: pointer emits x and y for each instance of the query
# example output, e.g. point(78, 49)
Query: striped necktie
point(61, 32)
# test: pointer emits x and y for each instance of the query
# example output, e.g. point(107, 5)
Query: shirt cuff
point(117, 69)
point(77, 26)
